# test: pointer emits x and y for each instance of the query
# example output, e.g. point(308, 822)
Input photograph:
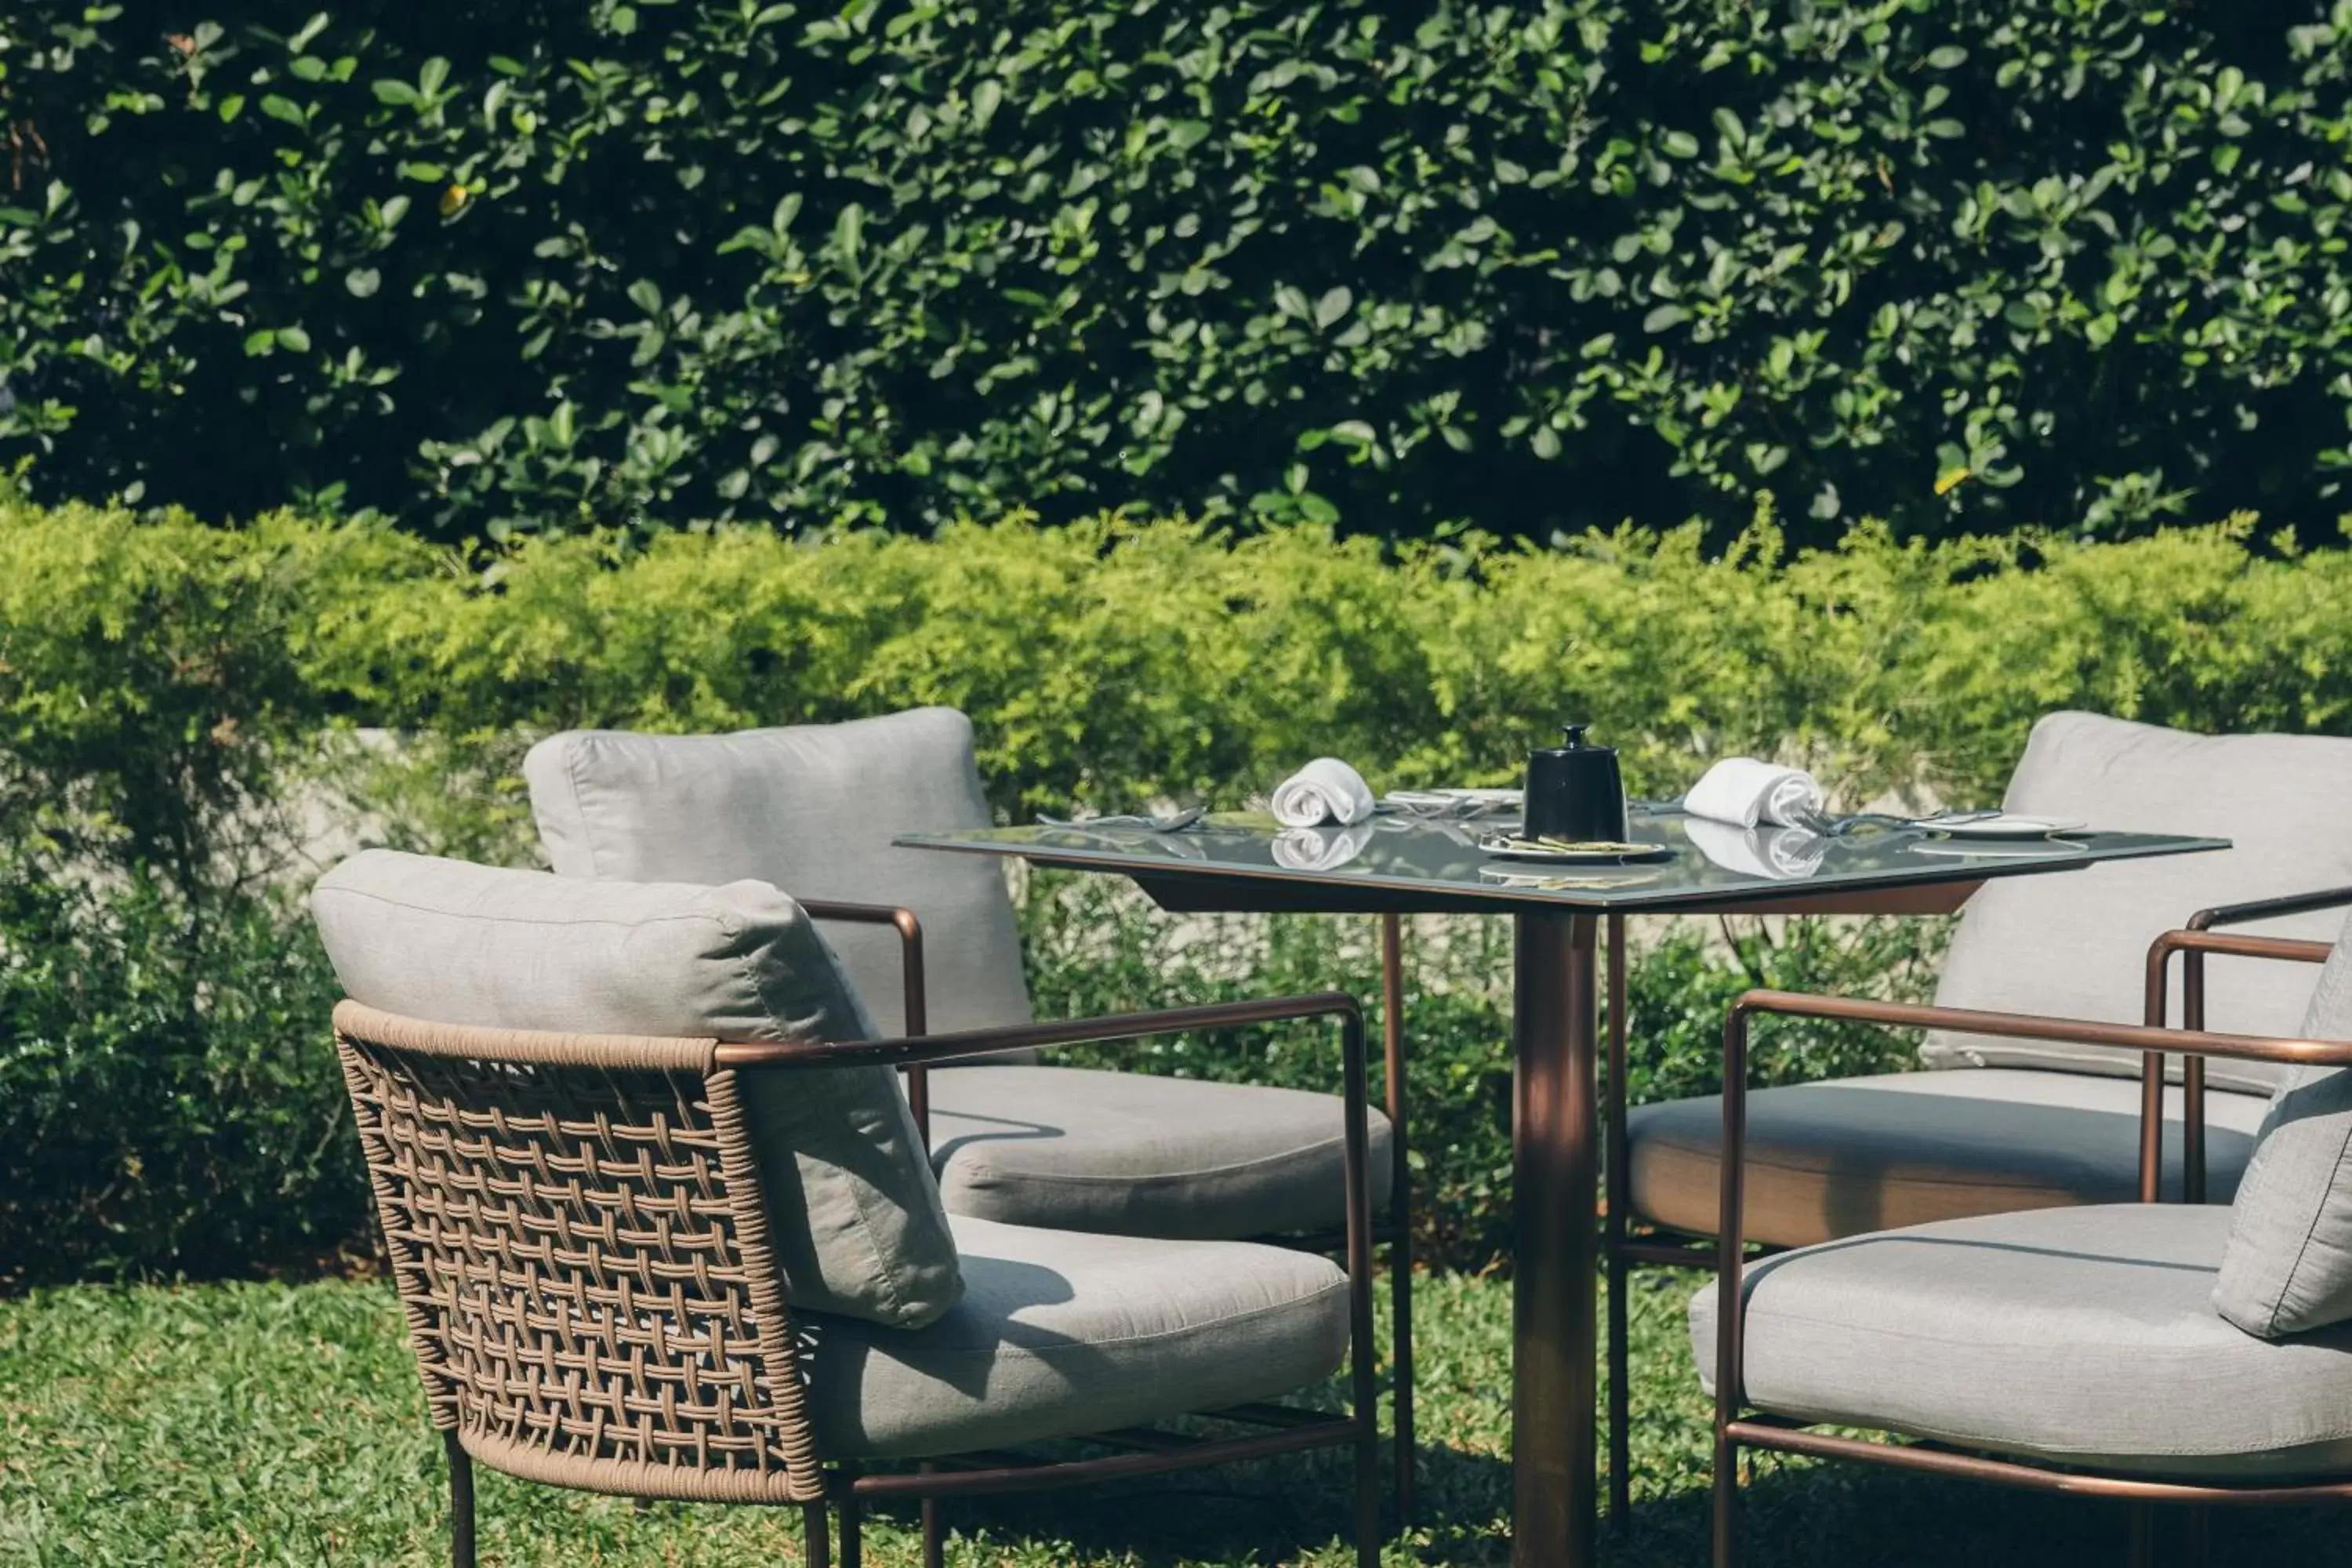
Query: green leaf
point(1661, 317)
point(645, 295)
point(1332, 306)
point(1946, 57)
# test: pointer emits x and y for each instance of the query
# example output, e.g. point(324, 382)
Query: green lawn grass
point(271, 1423)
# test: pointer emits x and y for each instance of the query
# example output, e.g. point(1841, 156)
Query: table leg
point(1555, 1186)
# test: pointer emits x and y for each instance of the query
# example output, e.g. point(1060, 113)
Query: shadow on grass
point(1277, 1512)
point(1811, 1512)
point(1795, 1512)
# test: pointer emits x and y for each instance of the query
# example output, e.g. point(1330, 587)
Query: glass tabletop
point(1697, 864)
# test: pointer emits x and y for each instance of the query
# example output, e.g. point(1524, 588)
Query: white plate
point(1998, 849)
point(1500, 847)
point(1566, 883)
point(2008, 824)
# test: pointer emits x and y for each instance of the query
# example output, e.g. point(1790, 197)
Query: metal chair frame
point(1621, 1249)
point(1735, 1430)
point(1394, 1233)
point(526, 1183)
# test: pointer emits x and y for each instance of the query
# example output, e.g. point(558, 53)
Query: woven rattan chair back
point(579, 1239)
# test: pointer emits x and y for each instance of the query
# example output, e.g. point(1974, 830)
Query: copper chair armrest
point(2194, 944)
point(2199, 942)
point(915, 993)
point(2037, 1027)
point(2271, 908)
point(1112, 1029)
point(911, 944)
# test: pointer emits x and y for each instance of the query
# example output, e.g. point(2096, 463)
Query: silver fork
point(1172, 822)
point(1833, 827)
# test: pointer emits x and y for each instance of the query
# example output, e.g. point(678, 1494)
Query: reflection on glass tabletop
point(1704, 862)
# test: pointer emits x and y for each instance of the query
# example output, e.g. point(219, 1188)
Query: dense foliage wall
point(178, 713)
point(499, 268)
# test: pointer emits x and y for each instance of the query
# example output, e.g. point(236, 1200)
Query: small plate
point(2039, 848)
point(2008, 824)
point(1504, 847)
point(1565, 882)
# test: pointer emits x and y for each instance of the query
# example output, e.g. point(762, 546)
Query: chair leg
point(1368, 1489)
point(852, 1544)
point(2141, 1551)
point(1621, 1394)
point(1620, 1397)
point(1726, 1504)
point(2200, 1537)
point(934, 1541)
point(461, 1502)
point(1400, 1369)
point(817, 1549)
point(1400, 1213)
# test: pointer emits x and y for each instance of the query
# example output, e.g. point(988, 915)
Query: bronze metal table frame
point(1555, 1126)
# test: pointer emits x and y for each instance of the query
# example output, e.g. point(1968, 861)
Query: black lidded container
point(1576, 792)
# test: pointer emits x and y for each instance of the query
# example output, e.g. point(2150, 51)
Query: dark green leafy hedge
point(170, 1099)
point(522, 267)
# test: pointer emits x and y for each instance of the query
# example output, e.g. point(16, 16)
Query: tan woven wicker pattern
point(578, 1238)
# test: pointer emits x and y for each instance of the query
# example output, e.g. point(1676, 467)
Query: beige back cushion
point(2288, 1268)
point(855, 1215)
point(2075, 943)
point(811, 808)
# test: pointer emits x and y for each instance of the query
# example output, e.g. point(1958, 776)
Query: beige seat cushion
point(1060, 1333)
point(2074, 945)
point(1137, 1154)
point(2081, 1335)
point(1851, 1155)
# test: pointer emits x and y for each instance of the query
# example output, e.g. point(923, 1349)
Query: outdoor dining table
point(1397, 864)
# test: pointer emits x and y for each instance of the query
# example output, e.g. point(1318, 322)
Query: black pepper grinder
point(1576, 792)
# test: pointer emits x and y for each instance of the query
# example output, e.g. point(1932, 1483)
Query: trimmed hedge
point(177, 701)
point(156, 666)
point(1529, 267)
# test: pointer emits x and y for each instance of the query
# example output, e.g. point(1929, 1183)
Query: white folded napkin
point(1776, 854)
point(1320, 848)
point(1325, 790)
point(1745, 792)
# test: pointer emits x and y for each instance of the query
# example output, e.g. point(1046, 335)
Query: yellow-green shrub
point(162, 687)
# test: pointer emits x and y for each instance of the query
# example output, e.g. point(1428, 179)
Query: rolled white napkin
point(1745, 792)
point(1320, 848)
point(1325, 790)
point(1776, 854)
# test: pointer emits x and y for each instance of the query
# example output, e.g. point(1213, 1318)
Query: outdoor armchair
point(2158, 1353)
point(929, 941)
point(1988, 1124)
point(661, 1224)
point(1995, 1124)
